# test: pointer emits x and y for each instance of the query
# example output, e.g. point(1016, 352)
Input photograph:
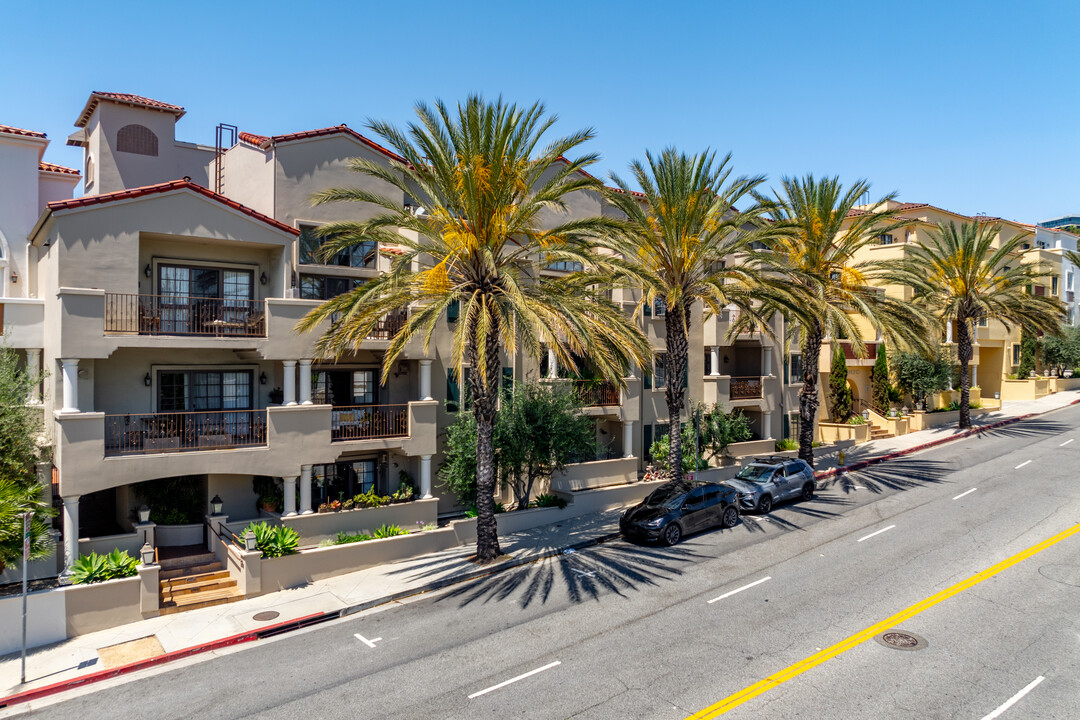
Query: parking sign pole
point(26, 561)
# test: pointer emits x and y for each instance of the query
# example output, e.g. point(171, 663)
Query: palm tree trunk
point(485, 396)
point(964, 353)
point(808, 396)
point(676, 322)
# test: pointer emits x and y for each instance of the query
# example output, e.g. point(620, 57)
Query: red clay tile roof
point(126, 99)
point(253, 139)
point(911, 206)
point(339, 129)
point(166, 187)
point(52, 167)
point(9, 130)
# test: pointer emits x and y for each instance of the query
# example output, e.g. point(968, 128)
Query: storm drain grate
point(265, 616)
point(901, 640)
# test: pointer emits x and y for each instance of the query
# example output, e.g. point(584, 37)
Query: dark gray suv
point(767, 481)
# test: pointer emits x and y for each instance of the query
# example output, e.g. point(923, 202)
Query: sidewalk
point(218, 626)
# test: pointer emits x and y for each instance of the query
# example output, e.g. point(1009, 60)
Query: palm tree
point(817, 258)
point(679, 233)
point(486, 185)
point(960, 276)
point(16, 498)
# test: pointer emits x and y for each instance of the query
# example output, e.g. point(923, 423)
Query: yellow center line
point(748, 693)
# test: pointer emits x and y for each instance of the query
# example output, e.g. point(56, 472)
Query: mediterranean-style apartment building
point(167, 295)
point(997, 348)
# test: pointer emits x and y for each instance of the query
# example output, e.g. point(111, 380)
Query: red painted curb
point(91, 678)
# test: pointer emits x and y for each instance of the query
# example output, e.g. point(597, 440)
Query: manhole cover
point(901, 640)
point(264, 616)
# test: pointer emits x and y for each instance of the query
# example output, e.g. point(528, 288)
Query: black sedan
point(679, 508)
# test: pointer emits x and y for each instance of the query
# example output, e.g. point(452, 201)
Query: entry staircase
point(195, 581)
point(877, 432)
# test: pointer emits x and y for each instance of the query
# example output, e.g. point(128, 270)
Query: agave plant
point(274, 541)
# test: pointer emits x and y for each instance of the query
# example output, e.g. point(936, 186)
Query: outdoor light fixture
point(249, 541)
point(215, 505)
point(262, 378)
point(144, 513)
point(148, 271)
point(148, 381)
point(147, 554)
point(262, 278)
point(14, 277)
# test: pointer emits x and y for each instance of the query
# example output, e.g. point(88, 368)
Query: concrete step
point(186, 561)
point(196, 600)
point(194, 580)
point(181, 572)
point(172, 593)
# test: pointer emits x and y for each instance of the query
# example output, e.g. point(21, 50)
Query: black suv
point(679, 508)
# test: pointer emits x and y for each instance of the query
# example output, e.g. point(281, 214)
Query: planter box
point(920, 420)
point(601, 473)
point(326, 562)
point(518, 520)
point(839, 432)
point(752, 447)
point(102, 605)
point(317, 527)
point(173, 535)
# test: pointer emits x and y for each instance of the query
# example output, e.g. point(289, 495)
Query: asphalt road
point(628, 631)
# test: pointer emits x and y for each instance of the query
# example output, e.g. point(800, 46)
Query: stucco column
point(628, 438)
point(974, 376)
point(714, 360)
point(289, 385)
point(425, 476)
point(305, 490)
point(33, 368)
point(766, 363)
point(71, 534)
point(305, 382)
point(71, 386)
point(766, 425)
point(290, 495)
point(948, 331)
point(425, 380)
point(553, 364)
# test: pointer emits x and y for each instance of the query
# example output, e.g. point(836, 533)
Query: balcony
point(127, 314)
point(140, 434)
point(369, 422)
point(746, 388)
point(596, 394)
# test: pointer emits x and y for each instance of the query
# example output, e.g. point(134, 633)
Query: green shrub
point(344, 538)
point(471, 511)
point(548, 500)
point(404, 492)
point(387, 531)
point(787, 444)
point(274, 540)
point(856, 420)
point(94, 568)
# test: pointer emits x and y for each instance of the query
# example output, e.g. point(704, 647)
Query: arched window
point(137, 139)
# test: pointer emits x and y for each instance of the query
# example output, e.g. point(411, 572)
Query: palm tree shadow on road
point(614, 569)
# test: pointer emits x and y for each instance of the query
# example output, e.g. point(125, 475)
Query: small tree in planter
point(839, 392)
point(920, 375)
point(1029, 352)
point(881, 390)
point(720, 429)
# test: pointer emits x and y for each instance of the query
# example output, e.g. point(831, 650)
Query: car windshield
point(755, 473)
point(668, 497)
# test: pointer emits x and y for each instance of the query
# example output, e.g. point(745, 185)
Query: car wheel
point(764, 505)
point(808, 491)
point(672, 534)
point(730, 517)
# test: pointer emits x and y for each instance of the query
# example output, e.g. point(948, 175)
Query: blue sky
point(972, 106)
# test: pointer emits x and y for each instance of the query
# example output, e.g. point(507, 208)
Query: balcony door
point(343, 388)
point(204, 300)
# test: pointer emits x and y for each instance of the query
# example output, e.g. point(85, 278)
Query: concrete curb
point(315, 619)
